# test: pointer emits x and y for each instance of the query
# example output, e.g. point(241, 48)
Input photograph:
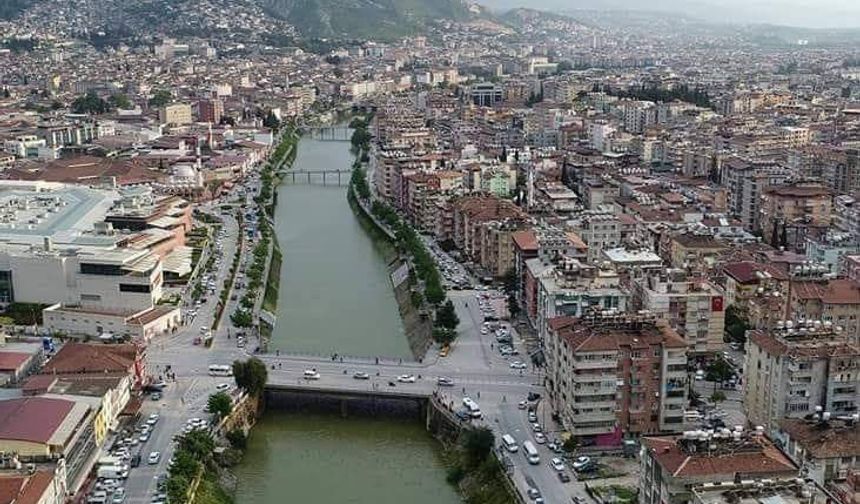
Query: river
point(325, 459)
point(335, 296)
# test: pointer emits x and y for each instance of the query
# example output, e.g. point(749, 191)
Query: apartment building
point(611, 376)
point(599, 230)
point(486, 94)
point(639, 115)
point(693, 306)
point(799, 368)
point(570, 288)
point(791, 214)
point(681, 469)
point(483, 227)
point(833, 301)
point(176, 114)
point(210, 110)
point(745, 181)
point(829, 445)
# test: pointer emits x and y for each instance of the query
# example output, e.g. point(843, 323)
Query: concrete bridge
point(329, 133)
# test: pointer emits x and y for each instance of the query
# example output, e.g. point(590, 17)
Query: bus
point(531, 453)
point(220, 370)
point(472, 406)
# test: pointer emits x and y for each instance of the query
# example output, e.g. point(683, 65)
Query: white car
point(557, 464)
point(311, 374)
point(518, 365)
point(540, 438)
point(406, 378)
point(581, 462)
point(222, 387)
point(154, 457)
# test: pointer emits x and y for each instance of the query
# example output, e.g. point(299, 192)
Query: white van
point(531, 453)
point(510, 443)
point(472, 406)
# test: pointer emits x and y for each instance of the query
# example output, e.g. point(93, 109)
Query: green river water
point(335, 296)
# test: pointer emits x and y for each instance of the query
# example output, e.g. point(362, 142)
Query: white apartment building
point(693, 307)
point(794, 372)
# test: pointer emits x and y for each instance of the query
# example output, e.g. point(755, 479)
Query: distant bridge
point(316, 177)
point(329, 133)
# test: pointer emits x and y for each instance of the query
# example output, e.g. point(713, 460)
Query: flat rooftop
point(32, 211)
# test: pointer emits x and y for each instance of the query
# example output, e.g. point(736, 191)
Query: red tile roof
point(92, 358)
point(836, 291)
point(12, 361)
point(20, 489)
point(525, 240)
point(745, 271)
point(585, 338)
point(822, 441)
point(760, 458)
point(33, 419)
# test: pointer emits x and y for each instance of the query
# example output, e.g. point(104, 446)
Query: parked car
point(361, 375)
point(406, 378)
point(581, 462)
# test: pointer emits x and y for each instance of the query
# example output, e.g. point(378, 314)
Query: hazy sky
point(809, 13)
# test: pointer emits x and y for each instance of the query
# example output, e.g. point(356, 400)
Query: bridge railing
point(338, 357)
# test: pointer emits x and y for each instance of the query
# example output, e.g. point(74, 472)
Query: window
point(91, 297)
point(101, 269)
point(133, 288)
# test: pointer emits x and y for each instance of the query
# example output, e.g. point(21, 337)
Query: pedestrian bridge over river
point(316, 177)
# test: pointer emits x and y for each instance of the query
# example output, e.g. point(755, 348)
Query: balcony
point(593, 378)
point(594, 391)
point(596, 403)
point(593, 417)
point(595, 364)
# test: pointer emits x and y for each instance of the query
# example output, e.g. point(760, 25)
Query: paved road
point(474, 363)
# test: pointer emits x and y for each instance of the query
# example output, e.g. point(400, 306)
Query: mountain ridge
point(363, 18)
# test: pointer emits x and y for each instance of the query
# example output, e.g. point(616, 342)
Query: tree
point(89, 103)
point(220, 405)
point(443, 336)
point(271, 121)
point(120, 101)
point(237, 439)
point(719, 371)
point(736, 324)
point(177, 488)
point(446, 316)
point(250, 375)
point(718, 396)
point(477, 445)
point(184, 464)
point(198, 444)
point(570, 444)
point(242, 318)
point(160, 98)
point(434, 293)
